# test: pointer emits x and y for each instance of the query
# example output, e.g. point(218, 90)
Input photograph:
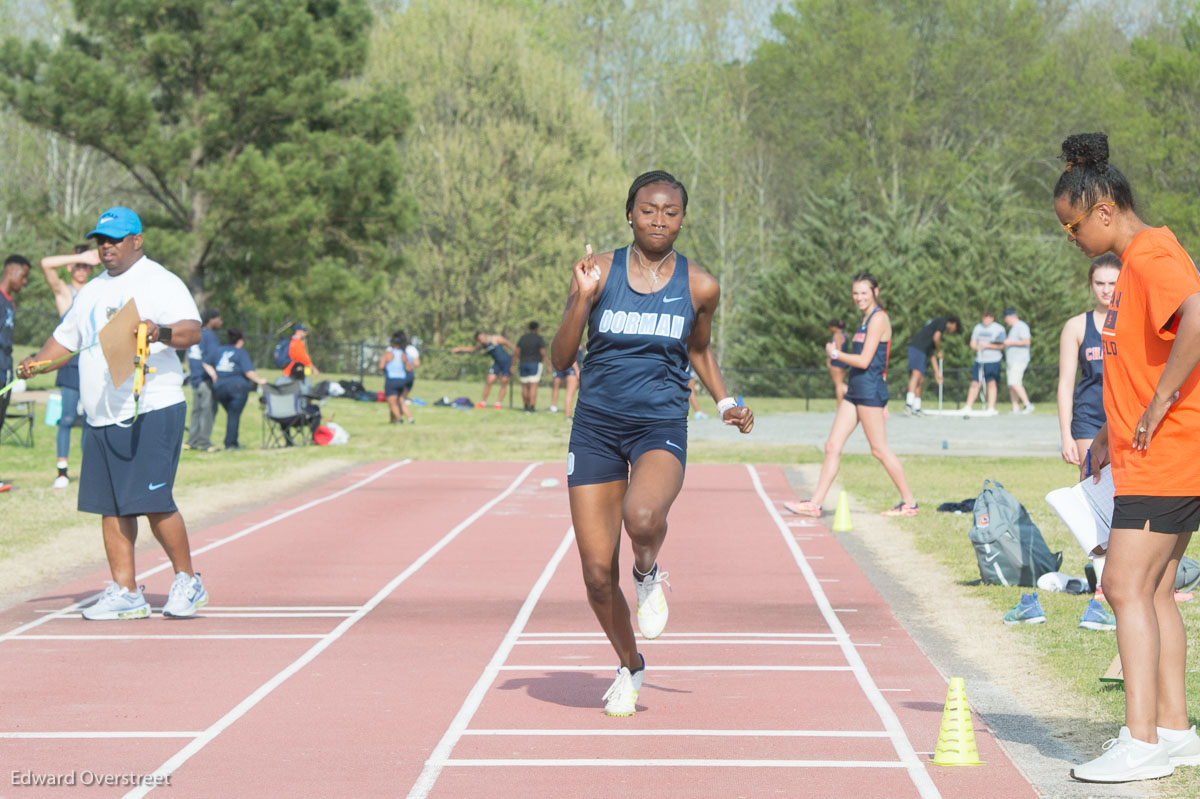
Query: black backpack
point(281, 352)
point(1008, 545)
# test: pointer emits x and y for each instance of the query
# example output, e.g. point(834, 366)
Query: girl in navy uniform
point(1081, 406)
point(501, 351)
point(865, 401)
point(231, 389)
point(649, 314)
point(396, 367)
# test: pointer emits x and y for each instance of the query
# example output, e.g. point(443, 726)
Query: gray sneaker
point(117, 604)
point(186, 597)
point(1126, 759)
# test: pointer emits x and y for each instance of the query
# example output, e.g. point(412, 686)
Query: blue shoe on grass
point(1095, 617)
point(1027, 611)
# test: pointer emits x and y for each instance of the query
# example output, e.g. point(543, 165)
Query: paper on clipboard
point(118, 341)
point(1086, 509)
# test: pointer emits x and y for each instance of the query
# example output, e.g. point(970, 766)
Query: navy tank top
point(872, 381)
point(1089, 391)
point(637, 359)
point(500, 357)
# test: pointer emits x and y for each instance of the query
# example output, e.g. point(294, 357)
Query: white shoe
point(621, 697)
point(1185, 751)
point(186, 597)
point(62, 481)
point(1126, 759)
point(1028, 408)
point(651, 603)
point(117, 603)
point(553, 409)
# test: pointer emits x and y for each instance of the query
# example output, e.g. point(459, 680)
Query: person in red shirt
point(298, 351)
point(1151, 342)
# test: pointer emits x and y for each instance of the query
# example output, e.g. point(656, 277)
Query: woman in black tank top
point(626, 458)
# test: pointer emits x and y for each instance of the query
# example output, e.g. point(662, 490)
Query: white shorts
point(1015, 372)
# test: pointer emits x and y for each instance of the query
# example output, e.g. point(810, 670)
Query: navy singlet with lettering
point(869, 386)
point(1087, 410)
point(637, 359)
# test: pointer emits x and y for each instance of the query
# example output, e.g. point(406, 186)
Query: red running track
point(420, 629)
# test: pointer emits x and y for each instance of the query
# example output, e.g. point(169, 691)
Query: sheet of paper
point(118, 341)
point(1086, 509)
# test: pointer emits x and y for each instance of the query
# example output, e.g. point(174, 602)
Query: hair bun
point(1085, 149)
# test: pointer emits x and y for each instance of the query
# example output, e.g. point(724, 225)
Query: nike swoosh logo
point(671, 299)
point(671, 443)
point(992, 558)
point(156, 486)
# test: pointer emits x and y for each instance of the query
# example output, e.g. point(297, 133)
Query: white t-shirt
point(993, 334)
point(162, 298)
point(413, 355)
point(1018, 332)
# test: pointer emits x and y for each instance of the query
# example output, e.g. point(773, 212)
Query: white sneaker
point(1028, 408)
point(651, 603)
point(117, 603)
point(1185, 751)
point(621, 697)
point(62, 481)
point(1126, 759)
point(186, 597)
point(553, 409)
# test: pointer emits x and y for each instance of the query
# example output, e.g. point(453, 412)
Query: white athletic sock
point(62, 463)
point(910, 398)
point(917, 404)
point(1098, 565)
point(1173, 735)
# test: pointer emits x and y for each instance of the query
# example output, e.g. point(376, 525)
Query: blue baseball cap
point(299, 326)
point(117, 223)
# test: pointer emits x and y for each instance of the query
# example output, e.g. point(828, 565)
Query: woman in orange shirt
point(1151, 341)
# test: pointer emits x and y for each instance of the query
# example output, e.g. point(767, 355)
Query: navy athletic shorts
point(394, 386)
point(129, 471)
point(603, 447)
point(917, 360)
point(990, 372)
point(563, 374)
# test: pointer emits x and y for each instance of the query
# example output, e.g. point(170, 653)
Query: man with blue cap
point(131, 443)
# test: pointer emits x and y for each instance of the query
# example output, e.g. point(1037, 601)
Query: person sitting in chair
point(309, 413)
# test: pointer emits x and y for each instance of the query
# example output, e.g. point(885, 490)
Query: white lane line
point(166, 637)
point(608, 668)
point(668, 763)
point(261, 609)
point(683, 635)
point(690, 733)
point(264, 690)
point(221, 542)
point(699, 641)
point(105, 734)
point(339, 615)
point(904, 748)
point(441, 753)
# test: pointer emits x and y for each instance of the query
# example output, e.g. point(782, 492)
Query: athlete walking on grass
point(1151, 344)
point(648, 312)
point(865, 402)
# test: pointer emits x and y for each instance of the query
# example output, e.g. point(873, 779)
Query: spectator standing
point(569, 378)
point(12, 279)
point(298, 352)
point(987, 339)
point(414, 360)
point(231, 388)
point(1016, 357)
point(201, 378)
point(500, 349)
point(396, 367)
point(79, 268)
point(926, 346)
point(531, 349)
point(837, 369)
point(131, 444)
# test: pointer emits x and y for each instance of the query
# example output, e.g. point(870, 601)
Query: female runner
point(649, 312)
point(865, 401)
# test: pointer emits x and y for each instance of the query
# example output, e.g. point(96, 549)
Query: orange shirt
point(297, 353)
point(1156, 277)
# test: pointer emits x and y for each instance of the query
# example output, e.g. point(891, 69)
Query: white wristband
point(725, 404)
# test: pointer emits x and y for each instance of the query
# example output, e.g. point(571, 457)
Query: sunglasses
point(1072, 228)
point(108, 239)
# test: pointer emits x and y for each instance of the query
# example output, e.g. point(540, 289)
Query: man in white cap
point(131, 444)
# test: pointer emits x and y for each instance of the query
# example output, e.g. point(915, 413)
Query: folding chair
point(17, 425)
point(284, 416)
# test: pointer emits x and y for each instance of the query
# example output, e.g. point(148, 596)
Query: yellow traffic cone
point(956, 739)
point(841, 517)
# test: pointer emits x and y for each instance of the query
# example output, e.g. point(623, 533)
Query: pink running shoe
point(804, 507)
point(901, 510)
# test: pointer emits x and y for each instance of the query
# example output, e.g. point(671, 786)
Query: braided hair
point(645, 179)
point(1088, 177)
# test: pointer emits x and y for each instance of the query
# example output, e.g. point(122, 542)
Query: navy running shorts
point(917, 360)
point(603, 447)
point(530, 372)
point(394, 386)
point(563, 374)
point(986, 372)
point(130, 471)
point(1165, 514)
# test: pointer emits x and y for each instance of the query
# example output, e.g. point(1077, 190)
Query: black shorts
point(603, 447)
point(1165, 514)
point(129, 471)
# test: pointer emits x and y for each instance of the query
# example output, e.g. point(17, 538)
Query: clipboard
point(118, 341)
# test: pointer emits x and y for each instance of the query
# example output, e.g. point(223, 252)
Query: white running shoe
point(62, 481)
point(651, 603)
point(117, 603)
point(1126, 759)
point(553, 409)
point(186, 597)
point(621, 697)
point(1185, 751)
